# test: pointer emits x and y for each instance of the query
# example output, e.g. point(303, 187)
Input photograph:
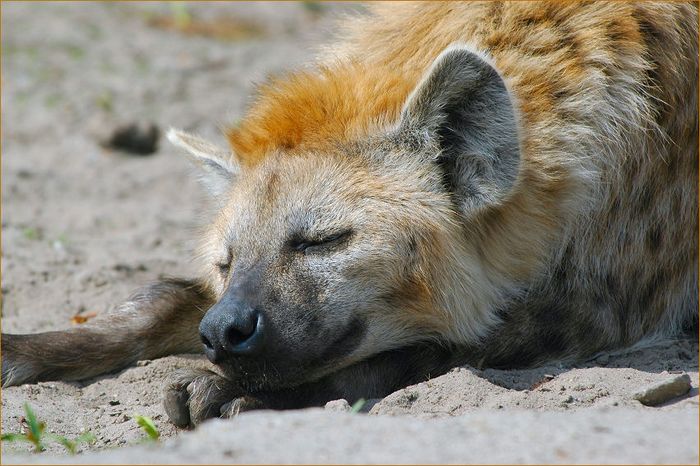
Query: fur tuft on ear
point(463, 108)
point(219, 169)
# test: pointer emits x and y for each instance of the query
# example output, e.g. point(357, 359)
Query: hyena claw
point(239, 405)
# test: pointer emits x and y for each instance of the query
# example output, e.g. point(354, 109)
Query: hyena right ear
point(463, 113)
point(219, 168)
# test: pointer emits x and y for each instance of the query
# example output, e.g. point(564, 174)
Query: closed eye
point(224, 267)
point(323, 243)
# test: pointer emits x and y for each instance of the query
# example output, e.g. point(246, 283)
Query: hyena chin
point(516, 183)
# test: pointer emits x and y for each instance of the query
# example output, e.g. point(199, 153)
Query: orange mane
point(311, 109)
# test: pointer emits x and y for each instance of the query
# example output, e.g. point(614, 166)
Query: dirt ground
point(83, 226)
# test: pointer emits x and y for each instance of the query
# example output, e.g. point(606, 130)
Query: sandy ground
point(83, 226)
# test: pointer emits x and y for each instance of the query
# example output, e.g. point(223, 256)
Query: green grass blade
point(87, 437)
point(68, 444)
point(72, 445)
point(148, 426)
point(357, 406)
point(34, 426)
point(12, 437)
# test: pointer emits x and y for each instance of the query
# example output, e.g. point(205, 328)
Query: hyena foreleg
point(194, 395)
point(158, 320)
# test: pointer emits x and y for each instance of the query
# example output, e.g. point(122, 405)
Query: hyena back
point(497, 184)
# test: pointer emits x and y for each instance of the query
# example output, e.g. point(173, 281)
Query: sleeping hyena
point(497, 184)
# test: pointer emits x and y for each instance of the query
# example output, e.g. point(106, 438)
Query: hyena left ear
point(219, 168)
point(463, 109)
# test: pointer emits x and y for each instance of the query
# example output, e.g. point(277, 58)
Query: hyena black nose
point(231, 328)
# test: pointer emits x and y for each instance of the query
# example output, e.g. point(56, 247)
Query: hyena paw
point(197, 394)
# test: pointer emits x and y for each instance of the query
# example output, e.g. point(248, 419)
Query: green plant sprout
point(357, 406)
point(148, 426)
point(37, 435)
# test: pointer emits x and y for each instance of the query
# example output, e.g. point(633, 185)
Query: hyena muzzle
point(516, 183)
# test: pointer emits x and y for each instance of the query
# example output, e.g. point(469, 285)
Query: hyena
point(495, 184)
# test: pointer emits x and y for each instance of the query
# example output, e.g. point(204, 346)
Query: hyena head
point(322, 259)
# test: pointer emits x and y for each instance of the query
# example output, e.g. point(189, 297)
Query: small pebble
point(661, 392)
point(134, 139)
point(610, 401)
point(341, 405)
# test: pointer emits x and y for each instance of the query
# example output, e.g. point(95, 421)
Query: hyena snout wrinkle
point(232, 327)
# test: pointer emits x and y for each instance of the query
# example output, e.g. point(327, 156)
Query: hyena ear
point(463, 109)
point(219, 168)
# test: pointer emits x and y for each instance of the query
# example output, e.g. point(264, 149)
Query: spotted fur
point(498, 183)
